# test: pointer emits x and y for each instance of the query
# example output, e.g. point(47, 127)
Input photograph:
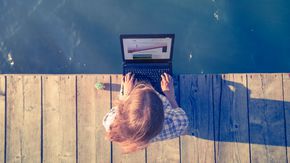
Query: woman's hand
point(168, 88)
point(167, 84)
point(128, 83)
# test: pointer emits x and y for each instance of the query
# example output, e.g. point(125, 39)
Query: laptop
point(147, 56)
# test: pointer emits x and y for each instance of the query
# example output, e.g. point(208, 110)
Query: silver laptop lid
point(147, 47)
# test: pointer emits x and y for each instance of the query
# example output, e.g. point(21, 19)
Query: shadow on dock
point(225, 111)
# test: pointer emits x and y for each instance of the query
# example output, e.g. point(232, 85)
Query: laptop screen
point(147, 47)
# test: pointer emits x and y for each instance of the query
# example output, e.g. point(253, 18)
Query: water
point(82, 36)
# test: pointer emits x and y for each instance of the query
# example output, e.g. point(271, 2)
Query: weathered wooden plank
point(196, 100)
point(266, 118)
point(2, 117)
point(217, 90)
point(59, 118)
point(164, 151)
point(23, 118)
point(286, 89)
point(92, 105)
point(231, 118)
point(138, 156)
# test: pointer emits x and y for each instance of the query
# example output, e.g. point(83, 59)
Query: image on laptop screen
point(147, 48)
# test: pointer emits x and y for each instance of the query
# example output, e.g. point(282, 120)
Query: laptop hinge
point(156, 63)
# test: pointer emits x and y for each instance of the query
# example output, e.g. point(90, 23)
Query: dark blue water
point(82, 36)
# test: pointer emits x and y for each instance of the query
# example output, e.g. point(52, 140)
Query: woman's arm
point(172, 101)
point(109, 118)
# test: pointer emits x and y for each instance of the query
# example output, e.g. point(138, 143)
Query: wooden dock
point(58, 118)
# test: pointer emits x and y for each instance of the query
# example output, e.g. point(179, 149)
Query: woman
point(142, 115)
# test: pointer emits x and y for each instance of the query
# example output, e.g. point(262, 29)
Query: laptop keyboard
point(149, 74)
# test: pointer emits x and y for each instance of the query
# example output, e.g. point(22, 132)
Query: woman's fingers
point(132, 77)
point(166, 77)
point(162, 77)
point(128, 76)
point(123, 78)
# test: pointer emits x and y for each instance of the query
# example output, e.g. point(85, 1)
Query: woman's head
point(139, 118)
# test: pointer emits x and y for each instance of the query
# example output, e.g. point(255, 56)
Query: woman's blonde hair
point(139, 118)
